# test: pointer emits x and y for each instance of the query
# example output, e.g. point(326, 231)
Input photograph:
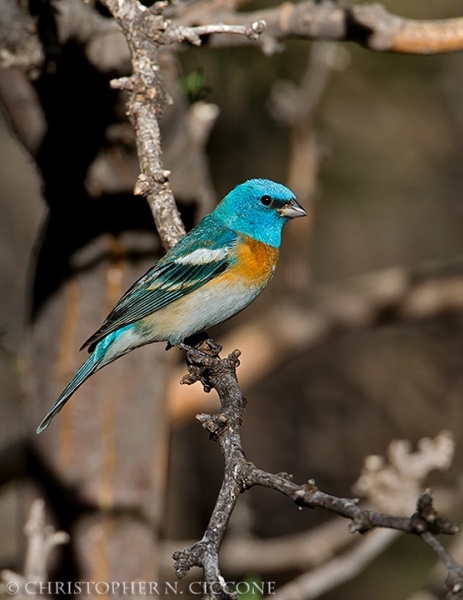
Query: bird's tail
point(90, 366)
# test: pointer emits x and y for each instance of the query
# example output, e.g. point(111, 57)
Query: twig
point(193, 34)
point(41, 539)
point(454, 579)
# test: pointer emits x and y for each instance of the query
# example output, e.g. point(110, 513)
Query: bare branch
point(369, 25)
point(239, 475)
point(387, 32)
point(147, 98)
point(41, 539)
point(193, 34)
point(454, 580)
point(224, 428)
point(391, 485)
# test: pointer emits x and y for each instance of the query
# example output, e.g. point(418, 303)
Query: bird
point(210, 275)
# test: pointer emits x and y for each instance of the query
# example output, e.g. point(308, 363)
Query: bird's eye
point(266, 200)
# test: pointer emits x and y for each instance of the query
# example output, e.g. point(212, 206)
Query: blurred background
point(358, 341)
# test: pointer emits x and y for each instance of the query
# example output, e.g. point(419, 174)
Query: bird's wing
point(194, 261)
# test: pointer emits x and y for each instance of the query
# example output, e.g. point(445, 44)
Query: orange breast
point(255, 261)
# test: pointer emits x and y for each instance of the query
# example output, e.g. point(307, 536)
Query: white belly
point(197, 311)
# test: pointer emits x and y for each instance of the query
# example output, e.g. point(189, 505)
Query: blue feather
point(242, 210)
point(88, 368)
point(101, 357)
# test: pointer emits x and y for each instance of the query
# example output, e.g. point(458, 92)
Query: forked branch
point(239, 475)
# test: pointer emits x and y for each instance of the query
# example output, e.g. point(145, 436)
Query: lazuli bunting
point(214, 272)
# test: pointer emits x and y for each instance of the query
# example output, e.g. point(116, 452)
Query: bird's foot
point(193, 352)
point(201, 353)
point(204, 352)
point(201, 345)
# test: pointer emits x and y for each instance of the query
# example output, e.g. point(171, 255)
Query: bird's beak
point(292, 209)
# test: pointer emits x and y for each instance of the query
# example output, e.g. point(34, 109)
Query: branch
point(369, 25)
point(387, 32)
point(41, 539)
point(146, 101)
point(392, 485)
point(224, 428)
point(193, 35)
point(206, 367)
point(453, 582)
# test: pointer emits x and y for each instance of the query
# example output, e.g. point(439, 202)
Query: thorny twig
point(240, 475)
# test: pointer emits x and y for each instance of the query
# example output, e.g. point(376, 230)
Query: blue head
point(259, 208)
